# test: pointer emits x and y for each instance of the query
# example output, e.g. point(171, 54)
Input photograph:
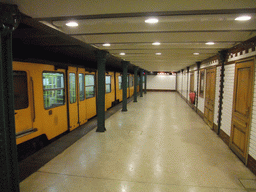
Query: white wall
point(252, 144)
point(227, 98)
point(163, 82)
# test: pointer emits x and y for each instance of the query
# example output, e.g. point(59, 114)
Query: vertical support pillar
point(145, 88)
point(182, 82)
point(222, 59)
point(135, 83)
point(9, 174)
point(187, 84)
point(124, 84)
point(101, 65)
point(197, 84)
point(141, 82)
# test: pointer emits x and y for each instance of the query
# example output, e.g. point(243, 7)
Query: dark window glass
point(108, 84)
point(120, 82)
point(20, 90)
point(81, 87)
point(90, 86)
point(53, 87)
point(72, 87)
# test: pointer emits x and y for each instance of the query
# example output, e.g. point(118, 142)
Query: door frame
point(244, 159)
point(205, 92)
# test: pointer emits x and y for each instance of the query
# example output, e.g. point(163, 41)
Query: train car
point(131, 84)
point(50, 101)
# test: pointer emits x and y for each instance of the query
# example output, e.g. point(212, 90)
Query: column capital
point(101, 54)
point(198, 64)
point(222, 55)
point(9, 18)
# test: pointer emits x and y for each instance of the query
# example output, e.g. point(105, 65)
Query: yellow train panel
point(48, 121)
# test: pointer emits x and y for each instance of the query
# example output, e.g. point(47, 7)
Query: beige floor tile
point(160, 144)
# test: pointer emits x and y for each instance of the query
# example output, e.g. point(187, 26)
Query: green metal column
point(135, 83)
point(9, 175)
point(222, 59)
point(101, 65)
point(141, 82)
point(145, 88)
point(124, 84)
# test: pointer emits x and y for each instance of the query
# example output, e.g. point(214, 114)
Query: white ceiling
point(183, 29)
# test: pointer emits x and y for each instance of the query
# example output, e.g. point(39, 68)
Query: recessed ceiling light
point(106, 44)
point(122, 54)
point(195, 53)
point(72, 24)
point(151, 20)
point(156, 43)
point(243, 18)
point(209, 43)
point(158, 53)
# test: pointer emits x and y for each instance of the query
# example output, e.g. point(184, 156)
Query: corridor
point(160, 144)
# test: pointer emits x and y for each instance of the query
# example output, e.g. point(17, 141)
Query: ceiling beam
point(150, 32)
point(146, 14)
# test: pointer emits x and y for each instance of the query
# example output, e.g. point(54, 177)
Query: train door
point(90, 92)
point(52, 96)
point(73, 99)
point(81, 96)
point(210, 96)
point(23, 102)
point(242, 102)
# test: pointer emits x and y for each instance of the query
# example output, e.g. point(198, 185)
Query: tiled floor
point(160, 144)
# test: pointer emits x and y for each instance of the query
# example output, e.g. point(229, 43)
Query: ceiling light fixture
point(122, 54)
point(151, 20)
point(158, 53)
point(195, 53)
point(72, 24)
point(210, 43)
point(243, 18)
point(106, 44)
point(156, 43)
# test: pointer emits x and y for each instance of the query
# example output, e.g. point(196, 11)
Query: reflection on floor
point(159, 144)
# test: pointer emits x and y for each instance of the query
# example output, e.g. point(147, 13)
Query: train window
point(90, 86)
point(108, 84)
point(131, 81)
point(120, 82)
point(20, 90)
point(81, 87)
point(53, 86)
point(72, 87)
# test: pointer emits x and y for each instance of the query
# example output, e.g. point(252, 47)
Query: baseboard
point(215, 128)
point(251, 164)
point(200, 113)
point(224, 137)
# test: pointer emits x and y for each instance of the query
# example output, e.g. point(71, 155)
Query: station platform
point(160, 144)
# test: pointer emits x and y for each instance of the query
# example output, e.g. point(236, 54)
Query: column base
point(124, 110)
point(100, 130)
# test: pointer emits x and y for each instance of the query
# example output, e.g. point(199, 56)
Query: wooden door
point(210, 96)
point(242, 102)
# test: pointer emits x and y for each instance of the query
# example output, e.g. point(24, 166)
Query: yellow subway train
point(50, 100)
